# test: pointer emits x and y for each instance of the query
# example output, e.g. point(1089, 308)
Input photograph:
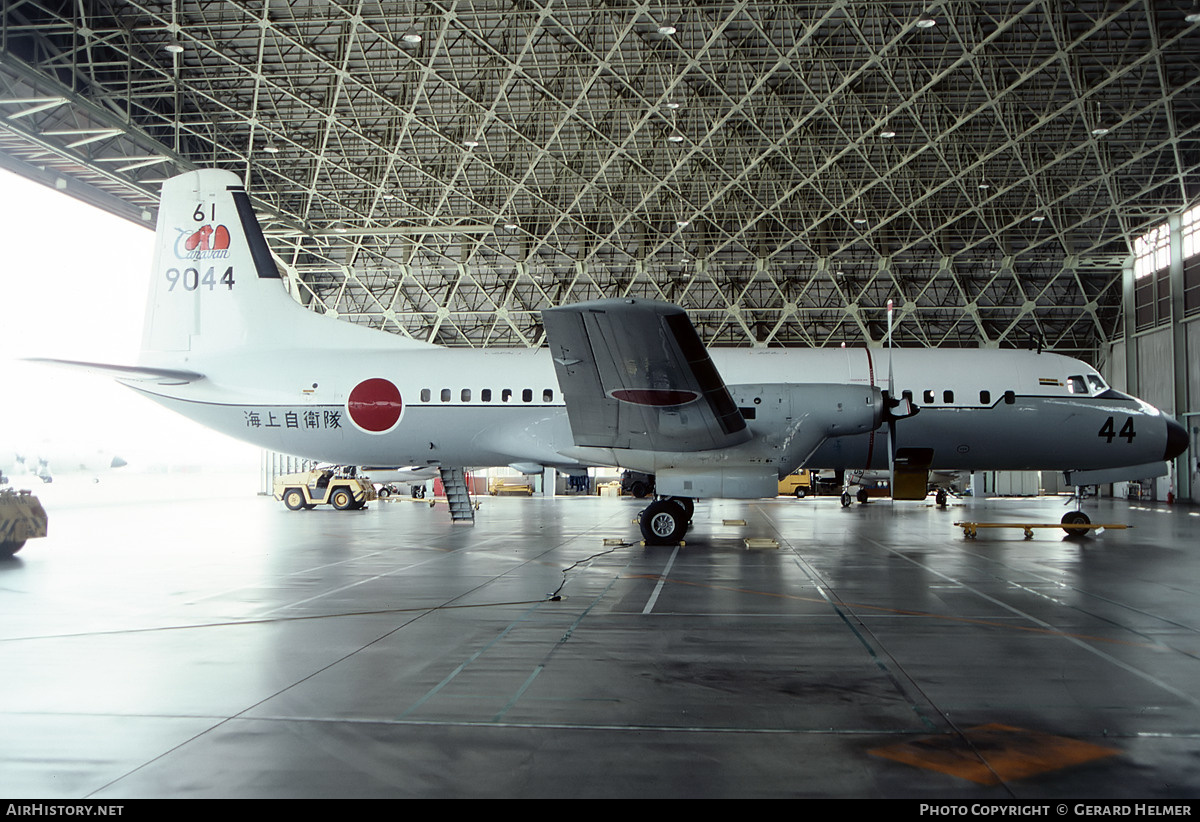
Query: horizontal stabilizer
point(132, 373)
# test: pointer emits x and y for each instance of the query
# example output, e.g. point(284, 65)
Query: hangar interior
point(1008, 174)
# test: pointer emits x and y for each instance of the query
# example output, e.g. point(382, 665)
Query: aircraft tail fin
point(215, 286)
point(209, 257)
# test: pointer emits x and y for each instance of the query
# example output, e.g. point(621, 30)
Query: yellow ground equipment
point(22, 517)
point(971, 529)
point(519, 486)
point(312, 488)
point(910, 473)
point(799, 484)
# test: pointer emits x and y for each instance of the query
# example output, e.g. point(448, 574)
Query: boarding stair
point(458, 496)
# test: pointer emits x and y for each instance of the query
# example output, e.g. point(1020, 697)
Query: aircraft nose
point(1177, 439)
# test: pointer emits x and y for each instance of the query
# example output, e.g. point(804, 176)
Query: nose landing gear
point(1076, 517)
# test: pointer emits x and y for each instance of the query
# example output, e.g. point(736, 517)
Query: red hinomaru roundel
point(375, 405)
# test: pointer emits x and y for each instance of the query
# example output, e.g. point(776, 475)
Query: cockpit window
point(1098, 386)
point(1076, 385)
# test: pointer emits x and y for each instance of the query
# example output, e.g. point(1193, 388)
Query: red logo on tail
point(200, 240)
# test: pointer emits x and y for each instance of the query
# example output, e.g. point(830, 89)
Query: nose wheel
point(1076, 517)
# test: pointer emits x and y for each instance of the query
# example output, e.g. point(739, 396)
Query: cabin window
point(927, 397)
point(486, 395)
point(445, 395)
point(1010, 397)
point(985, 397)
point(947, 396)
point(466, 395)
point(425, 395)
point(547, 395)
point(506, 395)
point(1076, 385)
point(527, 395)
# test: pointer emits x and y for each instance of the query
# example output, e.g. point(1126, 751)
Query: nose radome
point(1177, 440)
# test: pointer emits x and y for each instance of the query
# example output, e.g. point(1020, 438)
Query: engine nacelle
point(735, 482)
point(793, 420)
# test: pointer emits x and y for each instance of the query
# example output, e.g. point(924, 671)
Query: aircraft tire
point(341, 499)
point(293, 498)
point(846, 499)
point(9, 547)
point(940, 497)
point(1075, 518)
point(863, 496)
point(687, 504)
point(384, 492)
point(663, 523)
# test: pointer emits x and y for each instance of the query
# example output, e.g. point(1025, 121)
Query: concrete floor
point(222, 646)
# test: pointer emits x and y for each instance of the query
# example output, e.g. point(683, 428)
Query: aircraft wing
point(634, 374)
point(132, 373)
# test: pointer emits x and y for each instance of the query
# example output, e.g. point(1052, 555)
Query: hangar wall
point(1156, 381)
point(1159, 357)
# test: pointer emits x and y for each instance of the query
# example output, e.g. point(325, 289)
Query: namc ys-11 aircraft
point(624, 383)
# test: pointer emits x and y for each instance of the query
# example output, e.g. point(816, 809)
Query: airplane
point(45, 460)
point(623, 383)
point(391, 478)
point(941, 483)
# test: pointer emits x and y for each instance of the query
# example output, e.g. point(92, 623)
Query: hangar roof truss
point(779, 169)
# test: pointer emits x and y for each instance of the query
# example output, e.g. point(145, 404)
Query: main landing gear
point(666, 520)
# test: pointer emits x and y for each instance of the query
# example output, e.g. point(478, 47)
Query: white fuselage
point(503, 406)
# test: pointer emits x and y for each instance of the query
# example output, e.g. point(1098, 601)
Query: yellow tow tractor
point(342, 489)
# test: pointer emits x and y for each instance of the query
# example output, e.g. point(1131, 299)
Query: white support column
point(1129, 315)
point(979, 489)
point(1183, 476)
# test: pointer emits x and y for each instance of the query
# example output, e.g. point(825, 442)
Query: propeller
point(892, 403)
point(898, 408)
point(891, 377)
point(895, 408)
